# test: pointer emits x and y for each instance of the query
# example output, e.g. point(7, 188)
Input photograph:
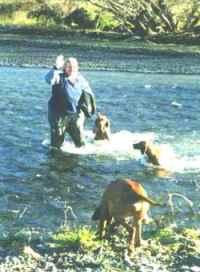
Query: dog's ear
point(98, 115)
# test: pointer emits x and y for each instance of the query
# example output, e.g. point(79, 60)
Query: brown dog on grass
point(153, 152)
point(102, 128)
point(124, 198)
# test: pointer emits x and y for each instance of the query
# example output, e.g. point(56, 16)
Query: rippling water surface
point(35, 183)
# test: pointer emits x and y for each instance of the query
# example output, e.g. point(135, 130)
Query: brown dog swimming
point(153, 152)
point(102, 127)
point(124, 198)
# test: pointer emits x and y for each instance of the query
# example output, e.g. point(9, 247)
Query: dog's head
point(102, 127)
point(142, 146)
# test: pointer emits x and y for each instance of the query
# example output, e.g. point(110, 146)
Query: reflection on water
point(36, 181)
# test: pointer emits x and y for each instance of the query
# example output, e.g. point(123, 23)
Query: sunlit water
point(35, 182)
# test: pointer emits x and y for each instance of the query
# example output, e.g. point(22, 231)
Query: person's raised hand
point(60, 62)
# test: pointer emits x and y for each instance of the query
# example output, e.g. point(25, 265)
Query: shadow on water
point(61, 162)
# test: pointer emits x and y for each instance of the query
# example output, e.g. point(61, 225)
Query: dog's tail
point(151, 201)
point(138, 190)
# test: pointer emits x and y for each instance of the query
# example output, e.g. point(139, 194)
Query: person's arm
point(53, 76)
point(85, 86)
point(87, 89)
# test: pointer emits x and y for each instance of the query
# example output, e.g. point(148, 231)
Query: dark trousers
point(72, 123)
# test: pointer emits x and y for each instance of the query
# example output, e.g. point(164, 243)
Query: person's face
point(68, 69)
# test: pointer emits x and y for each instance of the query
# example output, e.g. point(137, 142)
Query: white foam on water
point(174, 86)
point(46, 142)
point(119, 146)
point(191, 164)
point(170, 161)
point(189, 161)
point(147, 86)
point(176, 104)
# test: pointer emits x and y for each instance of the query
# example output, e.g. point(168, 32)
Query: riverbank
point(76, 249)
point(35, 184)
point(185, 38)
point(96, 51)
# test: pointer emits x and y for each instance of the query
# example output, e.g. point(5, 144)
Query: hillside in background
point(143, 18)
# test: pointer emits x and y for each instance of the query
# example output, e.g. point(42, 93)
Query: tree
point(53, 11)
point(9, 9)
point(153, 16)
point(192, 20)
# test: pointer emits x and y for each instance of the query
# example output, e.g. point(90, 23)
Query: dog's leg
point(131, 242)
point(152, 158)
point(138, 234)
point(132, 233)
point(104, 227)
point(101, 228)
point(108, 228)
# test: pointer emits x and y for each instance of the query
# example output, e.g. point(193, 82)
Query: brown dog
point(102, 128)
point(152, 151)
point(124, 198)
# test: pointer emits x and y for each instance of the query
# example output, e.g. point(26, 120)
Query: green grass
point(78, 249)
point(79, 238)
point(19, 18)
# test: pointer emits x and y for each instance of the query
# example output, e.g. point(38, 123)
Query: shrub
point(81, 18)
point(8, 9)
point(46, 13)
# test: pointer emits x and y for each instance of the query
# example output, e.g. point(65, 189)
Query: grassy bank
point(187, 39)
point(78, 249)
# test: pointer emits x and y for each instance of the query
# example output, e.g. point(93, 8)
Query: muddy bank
point(99, 53)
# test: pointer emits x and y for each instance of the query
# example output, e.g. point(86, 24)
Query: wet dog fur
point(123, 198)
point(152, 151)
point(102, 127)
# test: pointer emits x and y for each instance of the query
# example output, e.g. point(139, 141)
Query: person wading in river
point(72, 100)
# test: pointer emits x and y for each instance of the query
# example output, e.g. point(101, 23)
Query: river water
point(36, 183)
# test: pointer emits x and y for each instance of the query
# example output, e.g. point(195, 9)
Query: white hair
point(74, 63)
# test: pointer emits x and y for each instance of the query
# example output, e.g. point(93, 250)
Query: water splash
point(120, 145)
point(176, 104)
point(147, 86)
point(172, 162)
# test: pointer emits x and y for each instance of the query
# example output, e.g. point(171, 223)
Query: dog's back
point(124, 198)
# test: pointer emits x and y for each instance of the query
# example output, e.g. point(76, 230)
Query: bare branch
point(170, 201)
